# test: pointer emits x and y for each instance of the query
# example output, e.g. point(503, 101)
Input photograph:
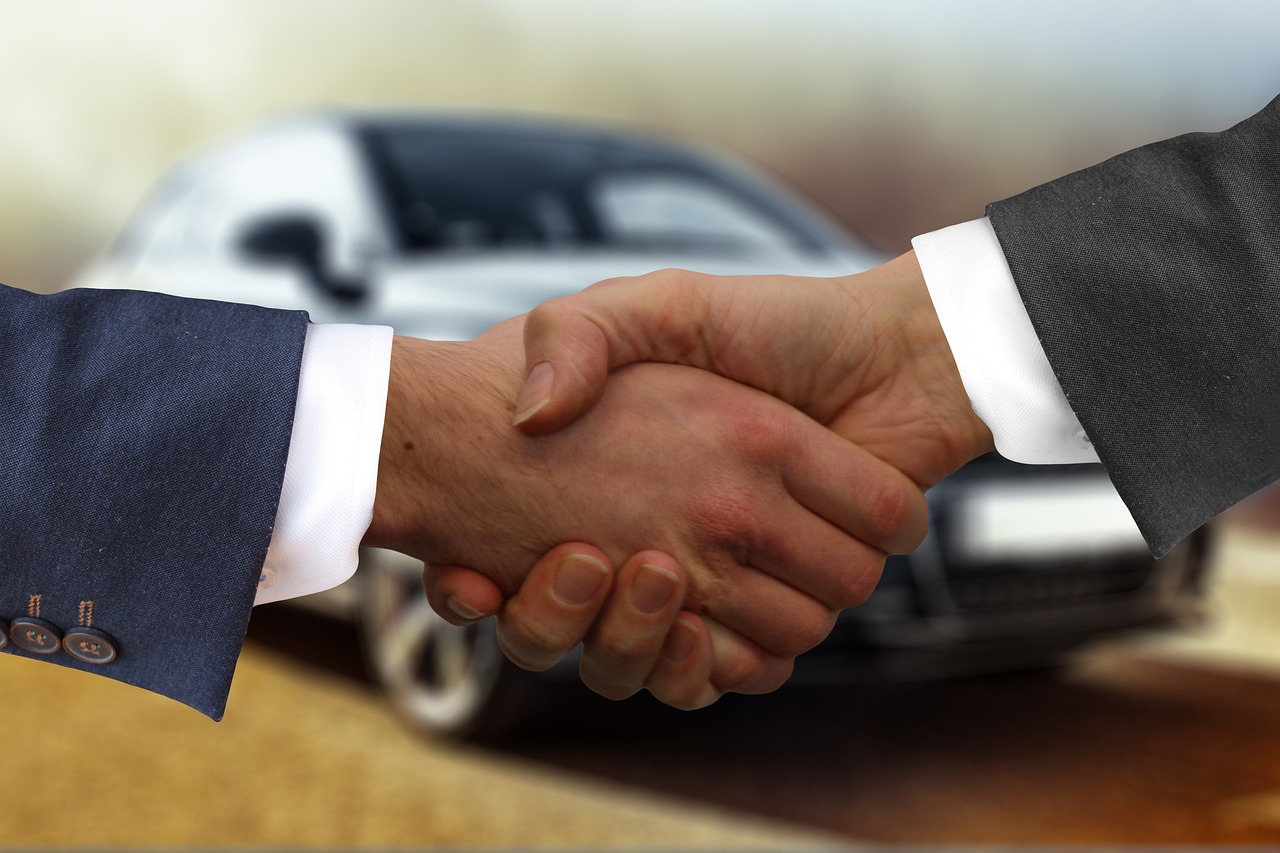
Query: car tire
point(442, 679)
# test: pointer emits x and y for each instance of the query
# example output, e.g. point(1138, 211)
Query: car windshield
point(455, 190)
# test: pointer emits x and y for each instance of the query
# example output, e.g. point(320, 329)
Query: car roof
point(515, 125)
point(522, 125)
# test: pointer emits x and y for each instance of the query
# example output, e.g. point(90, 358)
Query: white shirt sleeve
point(1009, 381)
point(326, 503)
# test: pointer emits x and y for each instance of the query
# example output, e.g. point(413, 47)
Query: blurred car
point(443, 224)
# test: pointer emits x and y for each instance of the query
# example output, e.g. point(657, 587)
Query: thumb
point(568, 356)
point(572, 343)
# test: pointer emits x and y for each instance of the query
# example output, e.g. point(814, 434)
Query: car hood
point(459, 297)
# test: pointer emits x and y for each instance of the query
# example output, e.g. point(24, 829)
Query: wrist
point(400, 497)
point(896, 300)
point(436, 405)
point(451, 468)
point(933, 350)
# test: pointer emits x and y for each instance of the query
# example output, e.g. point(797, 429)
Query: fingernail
point(536, 392)
point(653, 588)
point(679, 642)
point(466, 611)
point(578, 578)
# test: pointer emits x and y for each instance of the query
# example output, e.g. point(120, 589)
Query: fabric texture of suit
point(141, 462)
point(1152, 282)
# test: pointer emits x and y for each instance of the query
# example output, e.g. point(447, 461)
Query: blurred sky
point(899, 115)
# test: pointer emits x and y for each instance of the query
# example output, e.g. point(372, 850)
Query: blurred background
point(897, 118)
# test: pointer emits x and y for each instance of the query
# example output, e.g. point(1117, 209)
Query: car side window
point(655, 209)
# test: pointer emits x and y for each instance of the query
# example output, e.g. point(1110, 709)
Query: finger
point(857, 492)
point(461, 596)
point(681, 677)
point(801, 550)
point(820, 519)
point(772, 615)
point(555, 606)
point(571, 344)
point(628, 638)
point(741, 666)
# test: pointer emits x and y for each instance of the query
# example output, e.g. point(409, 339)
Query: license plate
point(1069, 517)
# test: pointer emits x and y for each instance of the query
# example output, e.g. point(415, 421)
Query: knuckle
point(734, 676)
point(916, 527)
point(670, 276)
point(771, 677)
point(704, 698)
point(602, 684)
point(684, 696)
point(892, 513)
point(757, 433)
point(541, 312)
point(533, 645)
point(727, 514)
point(614, 281)
point(561, 315)
point(802, 627)
point(858, 581)
point(616, 664)
point(527, 659)
point(807, 634)
point(625, 651)
point(546, 316)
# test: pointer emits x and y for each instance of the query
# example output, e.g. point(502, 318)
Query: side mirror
point(294, 239)
point(298, 240)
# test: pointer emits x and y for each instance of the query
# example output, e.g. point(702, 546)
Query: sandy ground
point(1242, 632)
point(309, 758)
point(303, 760)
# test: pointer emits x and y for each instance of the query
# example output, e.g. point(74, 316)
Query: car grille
point(1048, 587)
point(1045, 584)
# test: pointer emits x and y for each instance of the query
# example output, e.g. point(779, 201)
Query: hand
point(777, 523)
point(633, 632)
point(863, 354)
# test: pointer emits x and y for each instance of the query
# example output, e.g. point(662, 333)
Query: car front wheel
point(442, 678)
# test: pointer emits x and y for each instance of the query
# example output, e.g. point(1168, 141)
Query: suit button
point(4, 637)
point(89, 645)
point(34, 635)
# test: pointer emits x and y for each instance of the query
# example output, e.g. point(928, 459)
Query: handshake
point(743, 510)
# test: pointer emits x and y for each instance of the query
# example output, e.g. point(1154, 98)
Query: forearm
point(1151, 282)
point(143, 463)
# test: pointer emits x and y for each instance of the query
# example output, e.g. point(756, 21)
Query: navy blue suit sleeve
point(141, 462)
point(1153, 282)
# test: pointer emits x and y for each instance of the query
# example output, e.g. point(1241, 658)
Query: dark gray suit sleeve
point(141, 462)
point(1153, 281)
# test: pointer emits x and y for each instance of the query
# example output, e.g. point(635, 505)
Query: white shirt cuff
point(1009, 381)
point(326, 503)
